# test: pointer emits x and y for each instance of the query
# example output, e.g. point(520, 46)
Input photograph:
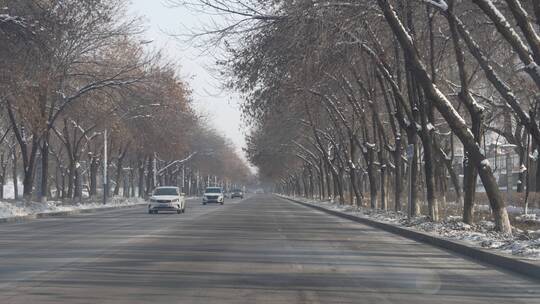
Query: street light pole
point(154, 169)
point(105, 165)
point(410, 158)
point(183, 178)
point(509, 177)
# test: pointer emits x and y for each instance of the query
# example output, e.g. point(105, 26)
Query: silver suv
point(213, 195)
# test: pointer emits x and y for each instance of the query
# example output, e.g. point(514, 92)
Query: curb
point(26, 218)
point(512, 264)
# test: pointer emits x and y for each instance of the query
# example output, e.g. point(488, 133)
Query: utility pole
point(154, 169)
point(105, 165)
point(183, 178)
point(39, 189)
point(509, 177)
point(198, 180)
point(189, 182)
point(410, 157)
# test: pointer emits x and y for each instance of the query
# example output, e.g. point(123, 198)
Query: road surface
point(258, 250)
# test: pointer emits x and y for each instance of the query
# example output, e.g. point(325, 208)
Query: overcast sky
point(221, 108)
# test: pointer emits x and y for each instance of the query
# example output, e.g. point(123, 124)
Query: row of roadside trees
point(337, 92)
point(76, 76)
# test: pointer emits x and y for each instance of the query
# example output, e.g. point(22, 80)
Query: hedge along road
point(259, 250)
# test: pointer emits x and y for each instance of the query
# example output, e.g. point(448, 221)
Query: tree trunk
point(126, 188)
point(28, 170)
point(132, 181)
point(470, 174)
point(141, 177)
point(15, 174)
point(44, 168)
point(475, 112)
point(413, 94)
point(77, 189)
point(456, 123)
point(537, 177)
point(322, 179)
point(339, 187)
point(397, 142)
point(522, 153)
point(397, 175)
point(298, 188)
point(28, 157)
point(71, 177)
point(94, 168)
point(3, 168)
point(63, 184)
point(352, 170)
point(413, 209)
point(354, 187)
point(311, 184)
point(372, 178)
point(427, 118)
point(433, 204)
point(149, 175)
point(383, 188)
point(328, 179)
point(304, 184)
point(448, 162)
point(57, 178)
point(427, 143)
point(119, 175)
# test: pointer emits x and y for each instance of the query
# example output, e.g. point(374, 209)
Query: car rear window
point(166, 191)
point(213, 190)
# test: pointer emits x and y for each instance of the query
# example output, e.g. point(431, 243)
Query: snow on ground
point(518, 213)
point(511, 209)
point(524, 244)
point(14, 209)
point(9, 190)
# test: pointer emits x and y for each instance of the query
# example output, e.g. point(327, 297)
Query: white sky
point(221, 108)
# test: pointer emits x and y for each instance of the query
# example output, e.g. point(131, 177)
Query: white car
point(167, 199)
point(213, 195)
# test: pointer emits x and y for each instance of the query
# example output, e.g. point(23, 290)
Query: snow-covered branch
point(441, 4)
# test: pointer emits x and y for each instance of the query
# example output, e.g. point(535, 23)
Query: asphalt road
point(259, 250)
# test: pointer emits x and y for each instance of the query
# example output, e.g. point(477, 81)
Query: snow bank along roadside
point(22, 209)
point(524, 244)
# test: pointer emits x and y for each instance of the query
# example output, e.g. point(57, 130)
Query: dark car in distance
point(237, 193)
